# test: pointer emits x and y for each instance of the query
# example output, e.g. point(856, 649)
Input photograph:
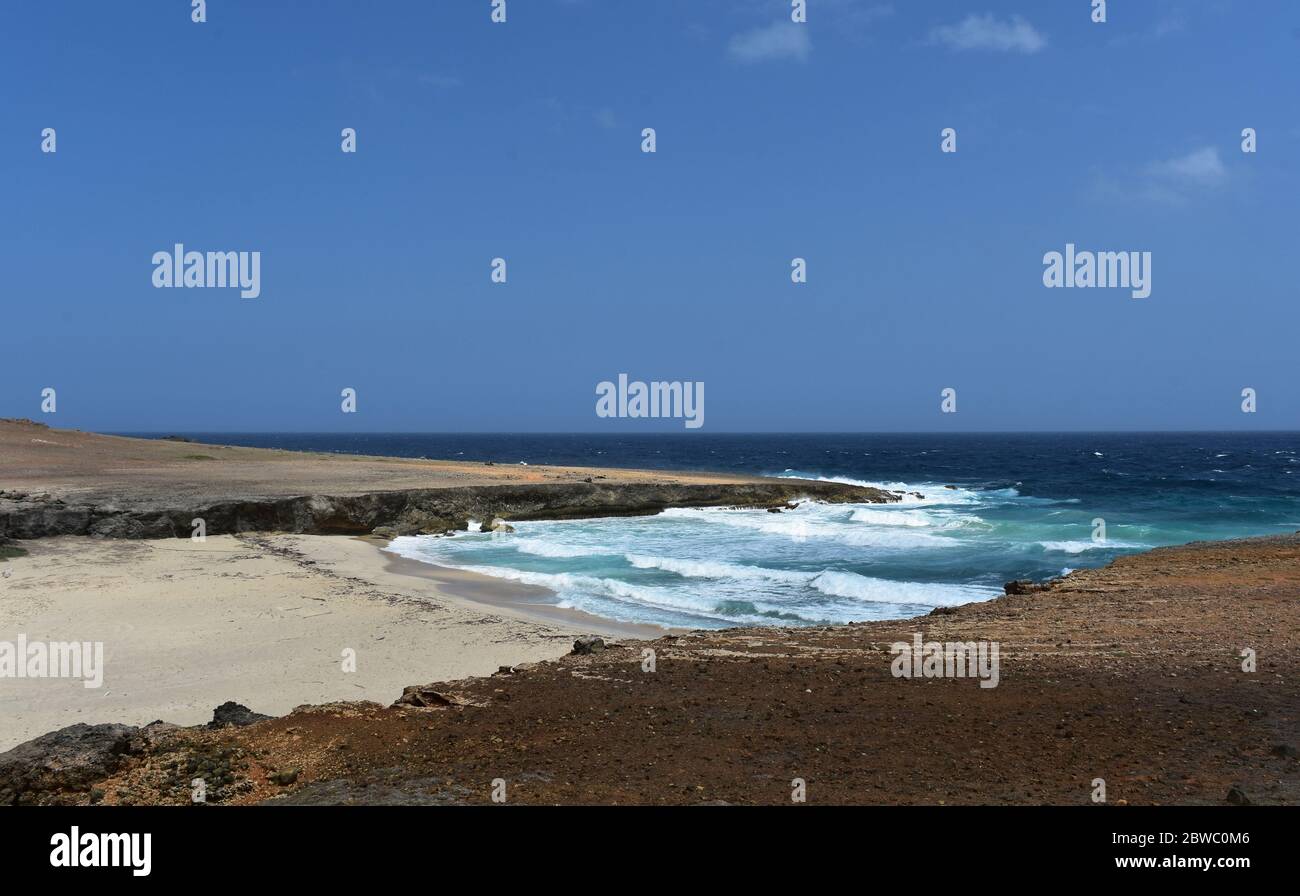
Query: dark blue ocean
point(1024, 506)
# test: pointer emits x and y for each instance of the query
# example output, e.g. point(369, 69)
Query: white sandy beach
point(261, 620)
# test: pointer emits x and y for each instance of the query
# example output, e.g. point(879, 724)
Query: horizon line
point(696, 434)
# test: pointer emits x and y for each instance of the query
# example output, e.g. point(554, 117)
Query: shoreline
point(262, 620)
point(515, 598)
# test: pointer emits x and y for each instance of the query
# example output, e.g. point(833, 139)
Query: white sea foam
point(910, 518)
point(712, 555)
point(1078, 547)
point(714, 569)
point(808, 523)
point(850, 584)
point(541, 548)
point(930, 493)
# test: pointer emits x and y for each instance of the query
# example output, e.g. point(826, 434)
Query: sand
point(261, 620)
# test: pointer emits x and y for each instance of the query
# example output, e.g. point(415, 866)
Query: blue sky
point(775, 141)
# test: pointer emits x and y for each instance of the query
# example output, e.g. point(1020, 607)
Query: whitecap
point(925, 594)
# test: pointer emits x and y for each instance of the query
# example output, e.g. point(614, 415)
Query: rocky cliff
point(405, 512)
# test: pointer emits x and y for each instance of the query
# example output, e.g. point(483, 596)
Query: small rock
point(425, 696)
point(588, 644)
point(1237, 796)
point(1025, 586)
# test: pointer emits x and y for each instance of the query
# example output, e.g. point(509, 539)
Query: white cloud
point(987, 32)
point(1201, 167)
point(1174, 182)
point(782, 40)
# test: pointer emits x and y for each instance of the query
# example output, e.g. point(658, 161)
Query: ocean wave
point(1079, 546)
point(541, 548)
point(811, 524)
point(863, 588)
point(715, 569)
point(909, 518)
point(930, 492)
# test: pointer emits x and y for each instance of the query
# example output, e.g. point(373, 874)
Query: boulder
point(587, 645)
point(60, 766)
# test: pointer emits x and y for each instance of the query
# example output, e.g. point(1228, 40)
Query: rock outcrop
point(64, 762)
point(234, 715)
point(407, 512)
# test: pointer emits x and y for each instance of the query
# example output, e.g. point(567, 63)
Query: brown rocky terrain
point(1132, 674)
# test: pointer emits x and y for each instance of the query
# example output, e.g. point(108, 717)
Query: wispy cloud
point(1176, 181)
point(988, 32)
point(1199, 168)
point(1169, 25)
point(778, 41)
point(780, 38)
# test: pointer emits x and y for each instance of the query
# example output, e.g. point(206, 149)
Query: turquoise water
point(820, 563)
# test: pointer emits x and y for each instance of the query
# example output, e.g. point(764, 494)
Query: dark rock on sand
point(234, 715)
point(588, 644)
point(56, 767)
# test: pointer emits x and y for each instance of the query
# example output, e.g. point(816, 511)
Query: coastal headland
point(66, 482)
